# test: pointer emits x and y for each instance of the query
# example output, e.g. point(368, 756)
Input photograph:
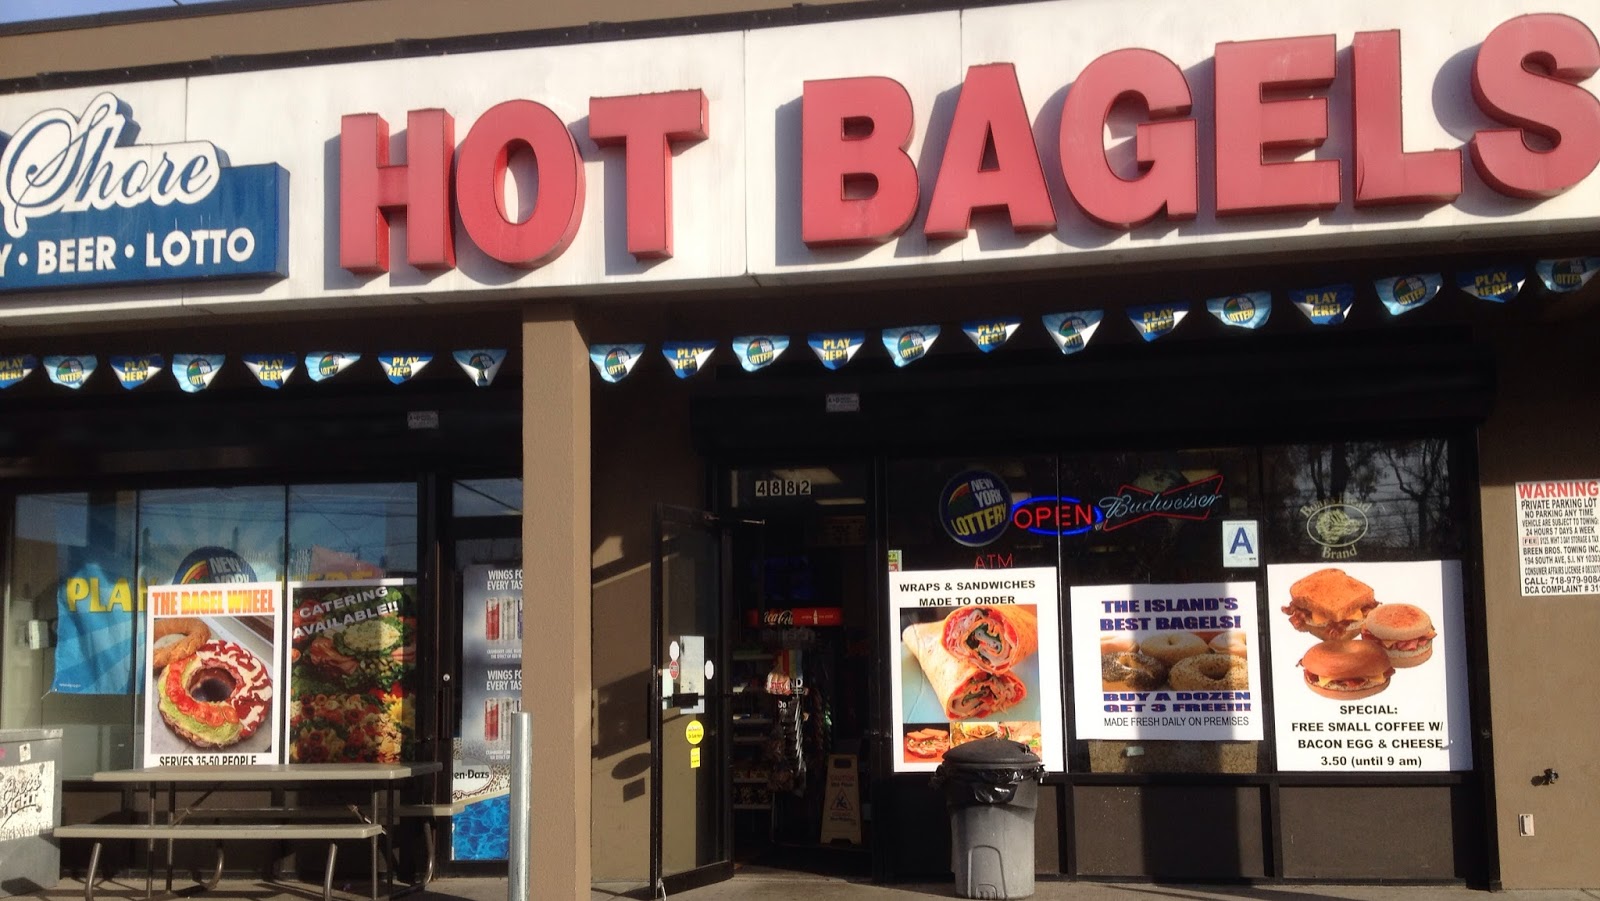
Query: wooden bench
point(329, 832)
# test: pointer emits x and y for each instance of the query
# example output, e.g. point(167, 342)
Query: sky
point(14, 11)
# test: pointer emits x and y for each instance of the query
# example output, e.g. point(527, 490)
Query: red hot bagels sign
point(860, 185)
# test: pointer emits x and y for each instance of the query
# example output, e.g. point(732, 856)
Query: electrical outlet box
point(1525, 824)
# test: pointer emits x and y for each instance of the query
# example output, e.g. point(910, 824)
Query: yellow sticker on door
point(694, 758)
point(694, 732)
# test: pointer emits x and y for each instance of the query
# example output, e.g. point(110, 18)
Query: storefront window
point(352, 531)
point(1362, 500)
point(81, 565)
point(486, 497)
point(974, 610)
point(73, 612)
point(1140, 584)
point(1174, 614)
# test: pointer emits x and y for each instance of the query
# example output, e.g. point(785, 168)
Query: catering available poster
point(215, 690)
point(1167, 662)
point(352, 671)
point(1338, 704)
point(491, 696)
point(978, 654)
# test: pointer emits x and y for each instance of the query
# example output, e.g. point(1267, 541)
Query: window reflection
point(80, 563)
point(486, 497)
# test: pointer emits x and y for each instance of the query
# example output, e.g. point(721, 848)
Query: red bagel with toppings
point(216, 697)
point(1346, 669)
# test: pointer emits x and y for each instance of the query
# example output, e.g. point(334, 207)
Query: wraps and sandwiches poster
point(1167, 662)
point(979, 656)
point(1369, 667)
point(215, 691)
point(352, 671)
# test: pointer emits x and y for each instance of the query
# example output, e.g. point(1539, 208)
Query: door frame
point(722, 530)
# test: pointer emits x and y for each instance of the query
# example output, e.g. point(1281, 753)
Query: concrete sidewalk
point(774, 885)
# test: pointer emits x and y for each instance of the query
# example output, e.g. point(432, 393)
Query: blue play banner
point(82, 205)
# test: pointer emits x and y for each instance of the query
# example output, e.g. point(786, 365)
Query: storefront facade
point(1201, 341)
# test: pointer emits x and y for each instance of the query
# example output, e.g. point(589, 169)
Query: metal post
point(521, 805)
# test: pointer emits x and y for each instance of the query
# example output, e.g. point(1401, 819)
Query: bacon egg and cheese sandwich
point(1329, 603)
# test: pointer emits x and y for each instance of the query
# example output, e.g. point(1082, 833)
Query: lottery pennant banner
point(990, 334)
point(1155, 320)
point(835, 349)
point(759, 351)
point(615, 361)
point(271, 370)
point(194, 372)
point(403, 366)
point(480, 365)
point(1405, 293)
point(135, 371)
point(1248, 311)
point(324, 365)
point(1496, 283)
point(910, 343)
point(14, 369)
point(1562, 276)
point(687, 357)
point(1072, 331)
point(1327, 305)
point(70, 371)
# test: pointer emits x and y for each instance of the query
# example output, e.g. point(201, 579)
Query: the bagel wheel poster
point(978, 656)
point(212, 652)
point(1369, 666)
point(1167, 662)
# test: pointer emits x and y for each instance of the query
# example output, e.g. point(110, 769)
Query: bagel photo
point(209, 691)
point(1171, 647)
point(174, 638)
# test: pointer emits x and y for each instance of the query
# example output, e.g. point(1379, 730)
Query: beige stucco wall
point(555, 530)
point(1546, 712)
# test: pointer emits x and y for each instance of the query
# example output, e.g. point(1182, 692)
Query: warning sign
point(841, 805)
point(1558, 536)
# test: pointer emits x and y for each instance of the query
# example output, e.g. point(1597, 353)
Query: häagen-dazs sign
point(82, 204)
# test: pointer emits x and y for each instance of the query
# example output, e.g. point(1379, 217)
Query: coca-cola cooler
point(30, 810)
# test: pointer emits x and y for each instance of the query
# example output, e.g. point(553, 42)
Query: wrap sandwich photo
point(963, 690)
point(994, 639)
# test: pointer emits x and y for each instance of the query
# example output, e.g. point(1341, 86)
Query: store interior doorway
point(802, 711)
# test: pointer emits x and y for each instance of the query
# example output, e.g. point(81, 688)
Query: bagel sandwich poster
point(1167, 662)
point(1369, 667)
point(213, 659)
point(352, 671)
point(979, 656)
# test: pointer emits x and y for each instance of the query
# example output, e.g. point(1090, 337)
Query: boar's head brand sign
point(83, 205)
point(1337, 526)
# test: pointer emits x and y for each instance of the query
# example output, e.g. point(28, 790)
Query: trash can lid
point(991, 752)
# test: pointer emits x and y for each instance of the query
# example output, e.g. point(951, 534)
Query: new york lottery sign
point(82, 204)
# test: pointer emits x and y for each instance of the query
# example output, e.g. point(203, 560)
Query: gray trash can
point(991, 787)
point(30, 810)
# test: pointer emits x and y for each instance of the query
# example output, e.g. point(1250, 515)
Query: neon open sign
point(1056, 515)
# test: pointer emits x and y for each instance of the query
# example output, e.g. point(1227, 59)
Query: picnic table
point(195, 819)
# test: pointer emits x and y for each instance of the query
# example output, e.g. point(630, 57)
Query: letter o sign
point(480, 184)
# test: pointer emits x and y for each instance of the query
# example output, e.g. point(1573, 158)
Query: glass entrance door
point(690, 617)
